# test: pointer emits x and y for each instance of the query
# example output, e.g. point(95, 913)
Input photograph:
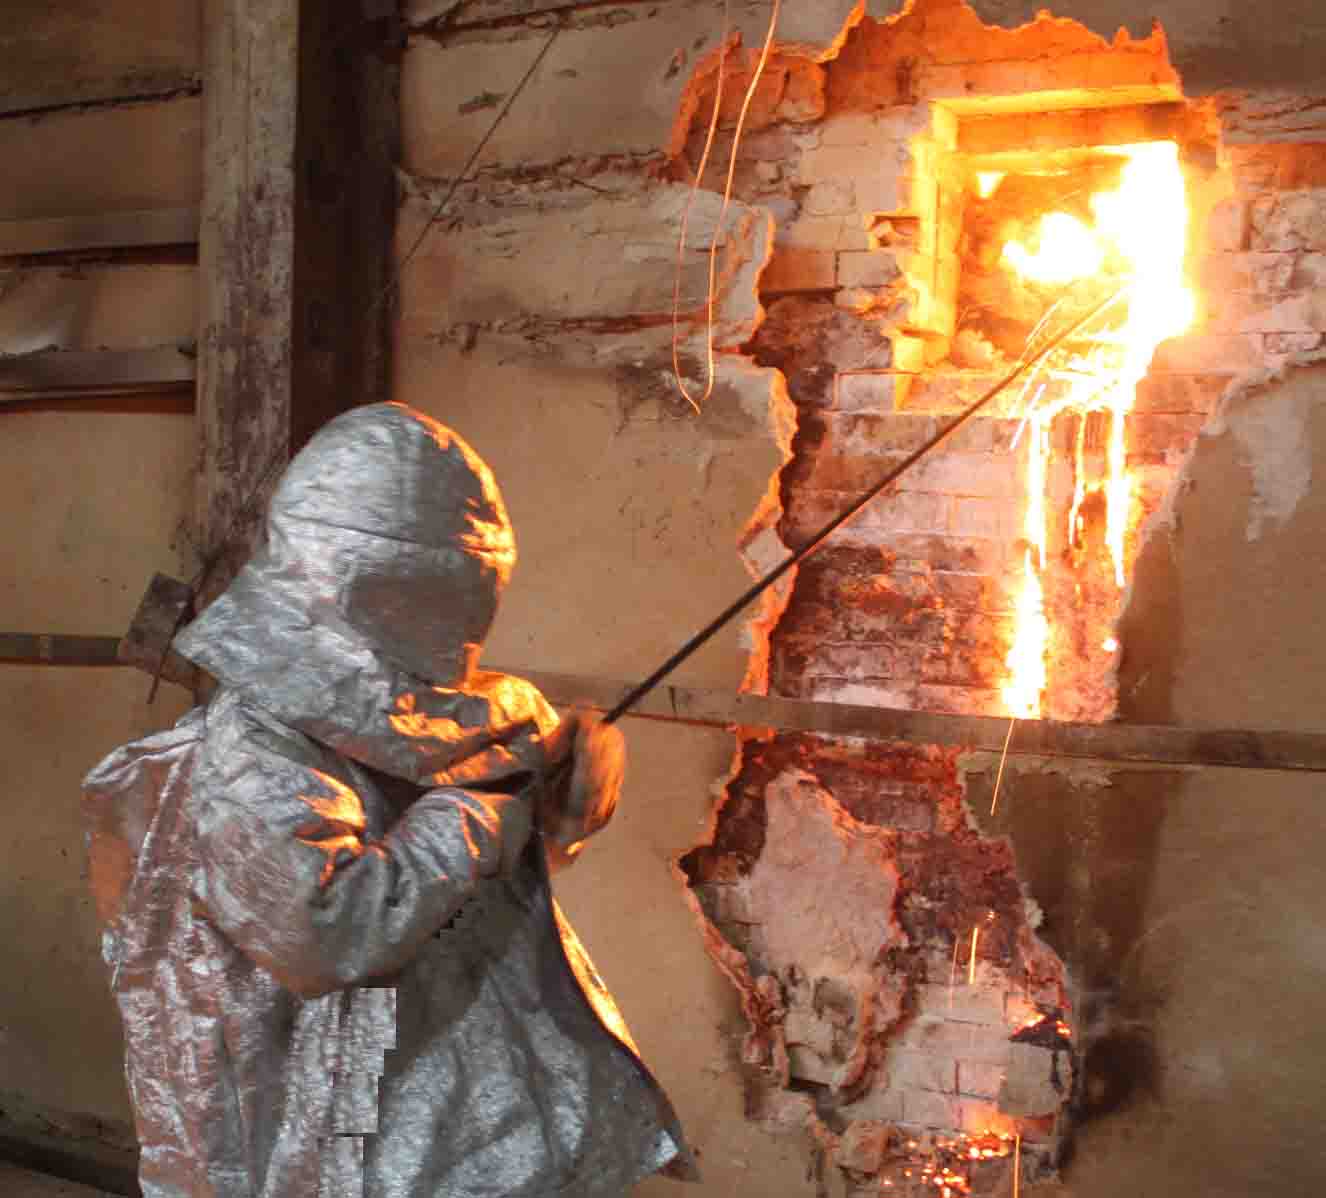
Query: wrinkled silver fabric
point(331, 936)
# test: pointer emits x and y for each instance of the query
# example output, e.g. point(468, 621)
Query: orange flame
point(1140, 234)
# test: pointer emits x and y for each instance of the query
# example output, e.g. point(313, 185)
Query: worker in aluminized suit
point(328, 921)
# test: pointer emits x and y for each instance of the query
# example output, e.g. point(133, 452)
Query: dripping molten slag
point(1140, 231)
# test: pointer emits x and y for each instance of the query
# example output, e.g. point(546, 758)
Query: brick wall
point(909, 1056)
point(911, 605)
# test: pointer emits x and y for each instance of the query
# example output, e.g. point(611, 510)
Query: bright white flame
point(987, 181)
point(1141, 234)
point(1066, 250)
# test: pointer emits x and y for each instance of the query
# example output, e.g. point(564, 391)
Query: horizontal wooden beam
point(64, 649)
point(1141, 744)
point(58, 649)
point(145, 228)
point(1152, 744)
point(66, 374)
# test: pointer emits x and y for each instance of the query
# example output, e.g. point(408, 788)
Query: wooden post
point(299, 118)
point(246, 259)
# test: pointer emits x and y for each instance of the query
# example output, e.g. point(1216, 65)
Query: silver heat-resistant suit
point(328, 926)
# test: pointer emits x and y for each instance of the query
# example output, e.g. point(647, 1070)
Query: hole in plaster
point(886, 954)
point(900, 1001)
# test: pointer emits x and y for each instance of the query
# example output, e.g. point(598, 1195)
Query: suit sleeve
point(289, 876)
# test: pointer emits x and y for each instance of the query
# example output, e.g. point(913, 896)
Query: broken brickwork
point(867, 317)
point(841, 890)
point(954, 1039)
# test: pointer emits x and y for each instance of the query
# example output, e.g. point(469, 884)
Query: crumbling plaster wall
point(535, 319)
point(99, 112)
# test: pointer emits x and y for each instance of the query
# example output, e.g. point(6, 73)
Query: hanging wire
point(685, 225)
point(722, 213)
point(1003, 757)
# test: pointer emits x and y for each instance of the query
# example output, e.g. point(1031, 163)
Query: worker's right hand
point(587, 762)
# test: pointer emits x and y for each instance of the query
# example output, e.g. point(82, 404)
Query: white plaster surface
point(648, 55)
point(124, 307)
point(627, 513)
point(1227, 969)
point(1270, 424)
point(59, 1031)
point(100, 496)
point(142, 46)
point(594, 259)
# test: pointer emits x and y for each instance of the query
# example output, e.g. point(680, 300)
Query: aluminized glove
point(587, 762)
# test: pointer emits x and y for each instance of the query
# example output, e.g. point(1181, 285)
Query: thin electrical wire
point(460, 178)
point(686, 221)
point(722, 216)
point(1003, 757)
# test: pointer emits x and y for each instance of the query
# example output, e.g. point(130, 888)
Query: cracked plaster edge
point(763, 1056)
point(1277, 486)
point(1076, 773)
point(1164, 521)
point(646, 340)
point(761, 547)
point(729, 960)
point(817, 52)
point(1109, 29)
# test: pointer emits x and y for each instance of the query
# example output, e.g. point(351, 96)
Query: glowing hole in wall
point(1135, 246)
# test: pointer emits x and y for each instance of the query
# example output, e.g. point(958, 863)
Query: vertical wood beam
point(300, 101)
point(347, 147)
point(246, 260)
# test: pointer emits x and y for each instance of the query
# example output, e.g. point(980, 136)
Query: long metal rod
point(638, 692)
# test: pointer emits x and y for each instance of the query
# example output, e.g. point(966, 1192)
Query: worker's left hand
point(587, 762)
